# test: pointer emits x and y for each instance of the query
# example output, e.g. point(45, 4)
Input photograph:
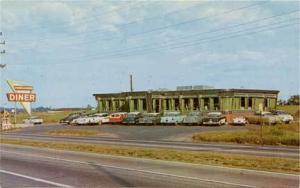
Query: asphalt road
point(271, 151)
point(33, 167)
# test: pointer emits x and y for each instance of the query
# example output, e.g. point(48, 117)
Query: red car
point(117, 117)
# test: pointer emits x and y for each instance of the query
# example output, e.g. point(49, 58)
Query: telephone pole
point(2, 66)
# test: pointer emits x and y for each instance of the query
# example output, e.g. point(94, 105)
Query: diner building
point(188, 100)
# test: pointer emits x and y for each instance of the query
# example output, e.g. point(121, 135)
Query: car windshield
point(214, 114)
point(268, 114)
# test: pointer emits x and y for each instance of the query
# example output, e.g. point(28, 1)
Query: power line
point(195, 43)
point(151, 46)
point(182, 23)
point(208, 32)
point(198, 42)
point(183, 44)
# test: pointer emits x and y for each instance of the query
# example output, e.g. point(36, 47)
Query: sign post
point(23, 94)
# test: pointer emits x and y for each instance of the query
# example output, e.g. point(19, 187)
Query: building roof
point(204, 91)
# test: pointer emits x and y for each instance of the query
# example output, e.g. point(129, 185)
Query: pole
point(131, 84)
point(2, 66)
point(15, 121)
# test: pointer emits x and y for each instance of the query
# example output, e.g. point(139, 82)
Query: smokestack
point(131, 85)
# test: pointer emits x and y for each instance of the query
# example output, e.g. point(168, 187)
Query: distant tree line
point(293, 100)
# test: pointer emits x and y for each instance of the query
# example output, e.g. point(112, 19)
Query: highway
point(35, 167)
point(271, 151)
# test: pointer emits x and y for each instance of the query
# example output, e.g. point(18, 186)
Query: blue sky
point(69, 50)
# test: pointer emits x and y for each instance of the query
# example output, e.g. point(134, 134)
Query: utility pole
point(131, 84)
point(2, 66)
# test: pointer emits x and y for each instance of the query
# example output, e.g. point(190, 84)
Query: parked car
point(172, 118)
point(117, 117)
point(193, 118)
point(33, 120)
point(239, 120)
point(269, 118)
point(149, 119)
point(132, 118)
point(214, 118)
point(71, 117)
point(284, 116)
point(92, 119)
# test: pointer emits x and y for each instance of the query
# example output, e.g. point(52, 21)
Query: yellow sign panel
point(18, 88)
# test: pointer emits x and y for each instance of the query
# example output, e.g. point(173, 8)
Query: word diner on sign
point(21, 97)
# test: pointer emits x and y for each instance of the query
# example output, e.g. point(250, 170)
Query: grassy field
point(48, 117)
point(74, 132)
point(197, 157)
point(271, 135)
point(291, 109)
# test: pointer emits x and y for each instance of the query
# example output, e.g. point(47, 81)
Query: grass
point(74, 132)
point(48, 117)
point(271, 135)
point(197, 157)
point(291, 109)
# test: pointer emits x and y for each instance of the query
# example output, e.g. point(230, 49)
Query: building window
point(109, 106)
point(206, 103)
point(167, 104)
point(144, 104)
point(243, 102)
point(135, 104)
point(176, 101)
point(216, 103)
point(156, 105)
point(117, 104)
point(186, 103)
point(250, 102)
point(266, 102)
point(195, 104)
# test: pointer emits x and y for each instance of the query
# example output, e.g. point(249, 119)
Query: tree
point(294, 100)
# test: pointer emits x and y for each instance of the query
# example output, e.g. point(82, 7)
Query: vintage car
point(214, 118)
point(269, 118)
point(284, 116)
point(193, 118)
point(172, 118)
point(239, 120)
point(117, 117)
point(132, 118)
point(33, 120)
point(92, 119)
point(71, 117)
point(149, 119)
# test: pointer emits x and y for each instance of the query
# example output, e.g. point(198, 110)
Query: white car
point(94, 119)
point(284, 116)
point(270, 118)
point(240, 120)
point(33, 120)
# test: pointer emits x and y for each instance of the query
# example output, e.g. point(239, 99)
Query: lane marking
point(35, 179)
point(138, 170)
point(153, 160)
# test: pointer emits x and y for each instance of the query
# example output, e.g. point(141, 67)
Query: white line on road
point(137, 170)
point(35, 179)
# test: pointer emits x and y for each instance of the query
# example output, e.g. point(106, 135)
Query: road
point(35, 167)
point(271, 151)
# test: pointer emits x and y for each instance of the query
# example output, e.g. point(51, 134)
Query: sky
point(69, 50)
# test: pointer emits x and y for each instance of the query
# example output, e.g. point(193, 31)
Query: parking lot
point(179, 133)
